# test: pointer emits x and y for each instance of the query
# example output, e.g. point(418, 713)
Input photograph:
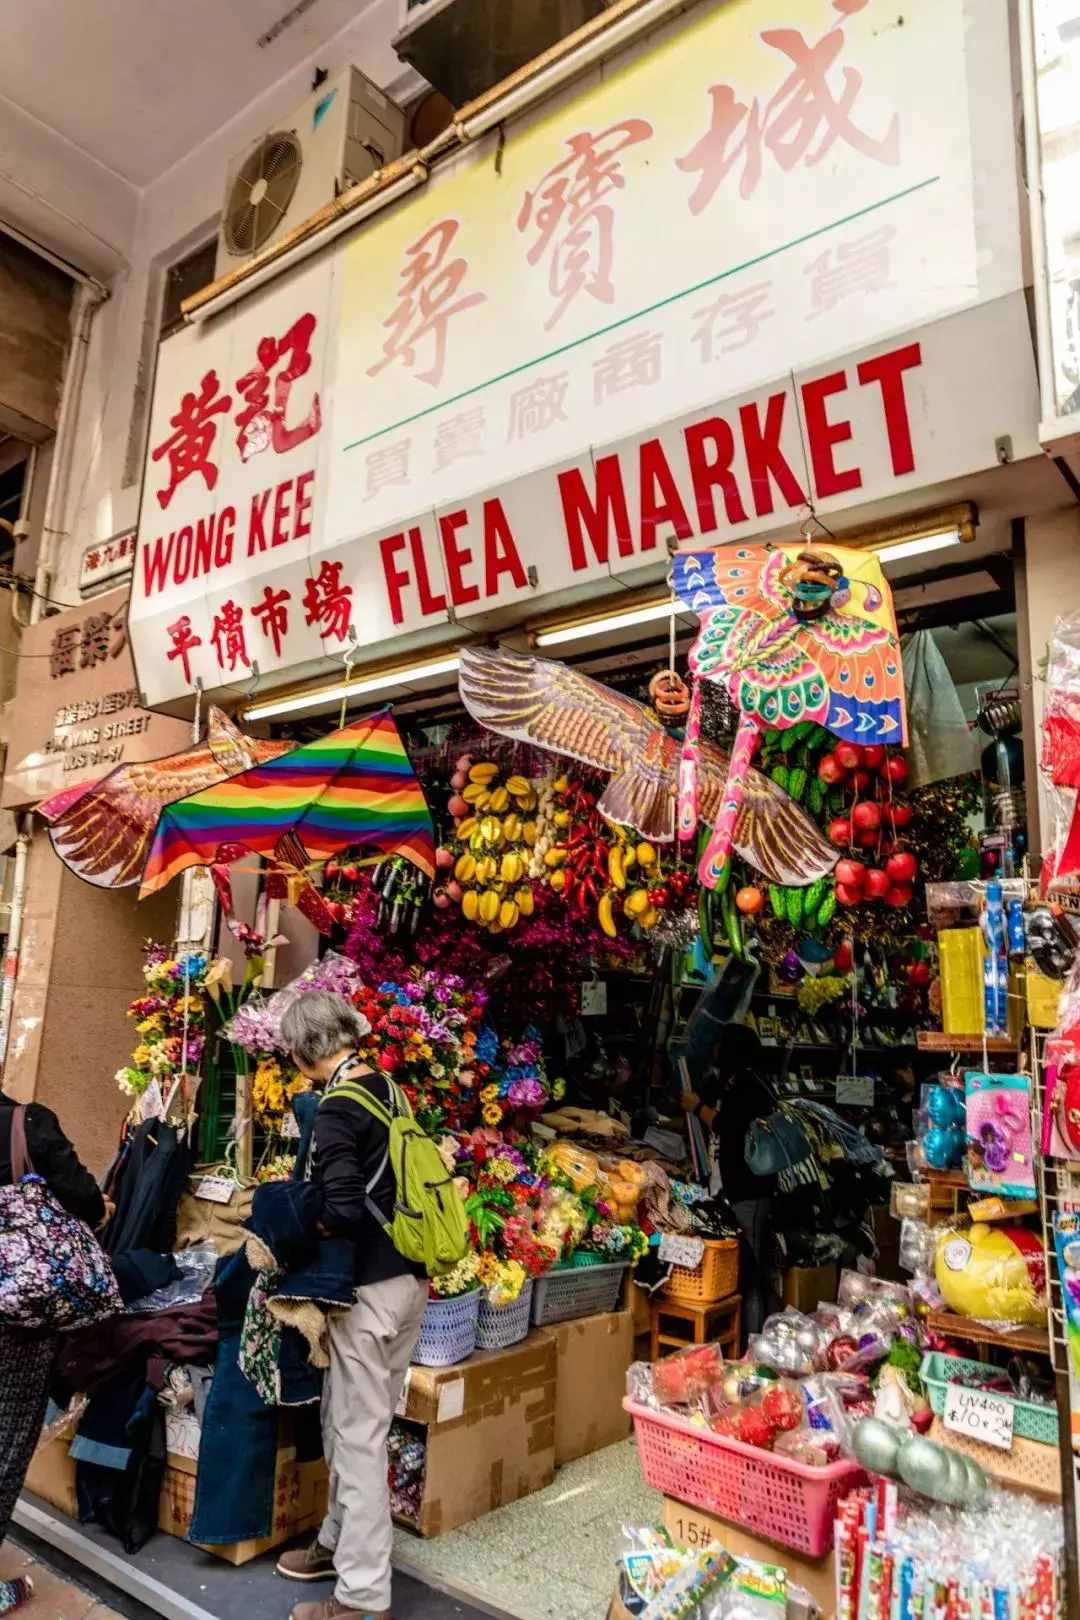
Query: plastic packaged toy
point(992, 1273)
point(1000, 1153)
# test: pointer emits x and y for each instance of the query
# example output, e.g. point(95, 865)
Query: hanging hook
point(349, 656)
point(256, 677)
point(196, 719)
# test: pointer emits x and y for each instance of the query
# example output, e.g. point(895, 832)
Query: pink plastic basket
point(774, 1497)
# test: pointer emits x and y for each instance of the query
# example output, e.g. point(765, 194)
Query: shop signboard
point(76, 713)
point(549, 360)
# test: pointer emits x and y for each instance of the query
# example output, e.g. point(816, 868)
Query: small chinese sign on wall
point(106, 562)
point(76, 715)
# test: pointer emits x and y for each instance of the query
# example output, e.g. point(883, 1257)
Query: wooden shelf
point(946, 1178)
point(1036, 1341)
point(936, 1040)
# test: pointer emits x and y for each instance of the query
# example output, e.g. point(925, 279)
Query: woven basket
point(714, 1277)
point(1031, 1421)
point(568, 1291)
point(1029, 1466)
point(588, 1257)
point(448, 1331)
point(500, 1326)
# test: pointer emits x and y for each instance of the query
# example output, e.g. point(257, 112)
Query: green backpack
point(429, 1226)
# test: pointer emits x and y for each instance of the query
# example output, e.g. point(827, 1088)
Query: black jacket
point(54, 1159)
point(350, 1145)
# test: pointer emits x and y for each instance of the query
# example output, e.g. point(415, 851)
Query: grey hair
point(319, 1024)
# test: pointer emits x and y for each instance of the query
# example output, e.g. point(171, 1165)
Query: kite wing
point(103, 832)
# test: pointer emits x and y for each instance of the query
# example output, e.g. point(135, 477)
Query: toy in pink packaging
point(1000, 1151)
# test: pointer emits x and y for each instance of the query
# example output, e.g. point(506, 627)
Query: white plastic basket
point(568, 1291)
point(500, 1326)
point(448, 1331)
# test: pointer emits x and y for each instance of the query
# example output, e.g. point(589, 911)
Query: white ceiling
point(137, 84)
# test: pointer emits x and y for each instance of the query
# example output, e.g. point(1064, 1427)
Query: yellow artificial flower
point(489, 1094)
point(492, 1113)
point(140, 1058)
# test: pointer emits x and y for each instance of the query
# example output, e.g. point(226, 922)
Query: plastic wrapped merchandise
point(918, 1247)
point(681, 1379)
point(992, 1273)
point(660, 1582)
point(197, 1266)
point(790, 1342)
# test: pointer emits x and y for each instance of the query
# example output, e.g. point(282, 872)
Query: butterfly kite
point(792, 635)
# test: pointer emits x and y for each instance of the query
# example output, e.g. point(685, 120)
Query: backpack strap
point(21, 1162)
point(359, 1094)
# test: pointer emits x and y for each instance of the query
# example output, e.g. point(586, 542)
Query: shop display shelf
point(772, 1496)
point(1031, 1421)
point(1036, 1341)
point(936, 1040)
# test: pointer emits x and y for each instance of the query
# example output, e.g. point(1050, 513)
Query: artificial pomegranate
point(899, 895)
point(873, 756)
point(866, 816)
point(851, 873)
point(844, 959)
point(895, 769)
point(902, 866)
point(840, 831)
point(877, 883)
point(830, 769)
point(849, 756)
point(849, 894)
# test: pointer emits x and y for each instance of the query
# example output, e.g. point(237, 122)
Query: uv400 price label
point(979, 1416)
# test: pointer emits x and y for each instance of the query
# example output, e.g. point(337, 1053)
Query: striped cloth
point(353, 789)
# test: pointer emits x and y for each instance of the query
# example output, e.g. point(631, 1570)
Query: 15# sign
point(978, 1415)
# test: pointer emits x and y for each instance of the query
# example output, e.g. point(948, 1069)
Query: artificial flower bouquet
point(170, 1020)
point(423, 1035)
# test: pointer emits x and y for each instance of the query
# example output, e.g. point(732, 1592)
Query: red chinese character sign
point(793, 634)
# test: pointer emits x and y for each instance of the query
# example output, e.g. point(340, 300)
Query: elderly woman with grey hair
point(371, 1344)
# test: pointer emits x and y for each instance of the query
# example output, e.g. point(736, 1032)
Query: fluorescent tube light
point(380, 681)
point(917, 548)
point(581, 628)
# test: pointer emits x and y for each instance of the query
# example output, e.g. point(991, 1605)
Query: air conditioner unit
point(343, 132)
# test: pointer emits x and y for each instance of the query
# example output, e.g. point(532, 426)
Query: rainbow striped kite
point(354, 788)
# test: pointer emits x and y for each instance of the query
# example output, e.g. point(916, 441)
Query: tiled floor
point(550, 1556)
point(54, 1598)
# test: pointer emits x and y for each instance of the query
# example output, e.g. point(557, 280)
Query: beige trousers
point(370, 1347)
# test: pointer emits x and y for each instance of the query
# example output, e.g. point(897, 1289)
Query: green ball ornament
point(877, 1446)
point(925, 1467)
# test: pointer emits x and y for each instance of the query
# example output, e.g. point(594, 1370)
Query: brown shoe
point(331, 1609)
point(311, 1563)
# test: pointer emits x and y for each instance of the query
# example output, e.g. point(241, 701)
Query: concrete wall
point(81, 964)
point(35, 311)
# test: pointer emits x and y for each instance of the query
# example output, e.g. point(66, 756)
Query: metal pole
point(14, 939)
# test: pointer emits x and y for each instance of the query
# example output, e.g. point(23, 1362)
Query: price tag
point(857, 1090)
point(290, 1130)
point(979, 1416)
point(593, 998)
point(215, 1189)
point(151, 1103)
point(678, 1250)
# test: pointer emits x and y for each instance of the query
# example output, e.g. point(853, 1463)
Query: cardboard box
point(489, 1427)
point(692, 1527)
point(51, 1476)
point(806, 1287)
point(300, 1497)
point(592, 1354)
